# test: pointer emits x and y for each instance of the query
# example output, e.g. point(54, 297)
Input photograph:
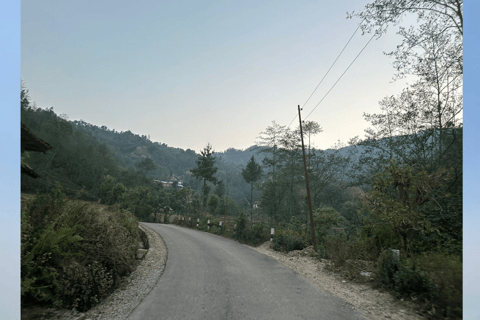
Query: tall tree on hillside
point(251, 174)
point(146, 165)
point(205, 170)
point(311, 128)
point(291, 174)
point(272, 192)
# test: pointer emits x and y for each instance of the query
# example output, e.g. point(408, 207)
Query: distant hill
point(131, 149)
point(241, 157)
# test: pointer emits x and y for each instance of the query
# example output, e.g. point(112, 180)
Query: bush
point(445, 270)
point(404, 276)
point(74, 253)
point(381, 233)
point(241, 229)
point(325, 219)
point(337, 249)
point(257, 234)
point(287, 240)
point(434, 278)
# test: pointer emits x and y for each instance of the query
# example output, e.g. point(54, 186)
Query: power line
point(341, 75)
point(333, 63)
point(338, 56)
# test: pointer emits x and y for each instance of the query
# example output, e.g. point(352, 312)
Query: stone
point(141, 253)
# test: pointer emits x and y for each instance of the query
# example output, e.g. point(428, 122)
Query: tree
point(213, 203)
point(380, 13)
point(251, 174)
point(422, 125)
point(311, 128)
point(292, 171)
point(220, 189)
point(398, 196)
point(146, 165)
point(272, 194)
point(205, 170)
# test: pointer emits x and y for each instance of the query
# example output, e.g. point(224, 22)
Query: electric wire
point(341, 75)
point(338, 56)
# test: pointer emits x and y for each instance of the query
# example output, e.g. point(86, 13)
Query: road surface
point(211, 277)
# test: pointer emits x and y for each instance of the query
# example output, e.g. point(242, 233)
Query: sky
point(187, 73)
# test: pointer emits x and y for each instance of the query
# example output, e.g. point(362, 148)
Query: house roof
point(30, 142)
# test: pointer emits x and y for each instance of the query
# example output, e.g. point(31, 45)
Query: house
point(168, 184)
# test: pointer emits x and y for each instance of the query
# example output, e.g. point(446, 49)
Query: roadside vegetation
point(74, 253)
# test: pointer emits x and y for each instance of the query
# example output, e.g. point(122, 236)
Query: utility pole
point(309, 199)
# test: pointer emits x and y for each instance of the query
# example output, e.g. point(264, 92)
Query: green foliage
point(446, 215)
point(406, 277)
point(287, 240)
point(146, 165)
point(220, 189)
point(205, 169)
point(241, 229)
point(325, 219)
point(252, 171)
point(380, 232)
point(295, 224)
point(398, 195)
point(74, 253)
point(213, 203)
point(257, 234)
point(434, 278)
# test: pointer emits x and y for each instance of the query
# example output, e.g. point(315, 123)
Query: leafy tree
point(381, 13)
point(220, 189)
point(422, 125)
point(272, 191)
point(146, 165)
point(311, 128)
point(251, 174)
point(325, 218)
point(205, 170)
point(213, 203)
point(398, 195)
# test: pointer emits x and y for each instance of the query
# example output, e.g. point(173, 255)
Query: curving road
point(210, 277)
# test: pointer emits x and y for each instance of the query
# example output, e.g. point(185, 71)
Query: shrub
point(287, 240)
point(241, 230)
point(445, 270)
point(325, 219)
point(434, 278)
point(337, 249)
point(257, 234)
point(381, 233)
point(74, 253)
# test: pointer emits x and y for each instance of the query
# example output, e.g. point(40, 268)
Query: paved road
point(210, 277)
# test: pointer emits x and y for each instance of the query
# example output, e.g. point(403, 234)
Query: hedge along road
point(211, 277)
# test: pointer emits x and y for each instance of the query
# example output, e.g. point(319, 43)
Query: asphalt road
point(210, 277)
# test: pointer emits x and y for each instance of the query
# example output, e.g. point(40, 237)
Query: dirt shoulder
point(375, 304)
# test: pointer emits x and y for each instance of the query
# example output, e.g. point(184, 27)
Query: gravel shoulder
point(376, 305)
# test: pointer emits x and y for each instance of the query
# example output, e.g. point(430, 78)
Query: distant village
point(174, 182)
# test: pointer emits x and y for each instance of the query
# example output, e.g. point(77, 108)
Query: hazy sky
point(189, 72)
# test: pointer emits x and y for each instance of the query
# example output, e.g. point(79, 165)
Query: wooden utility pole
point(309, 199)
